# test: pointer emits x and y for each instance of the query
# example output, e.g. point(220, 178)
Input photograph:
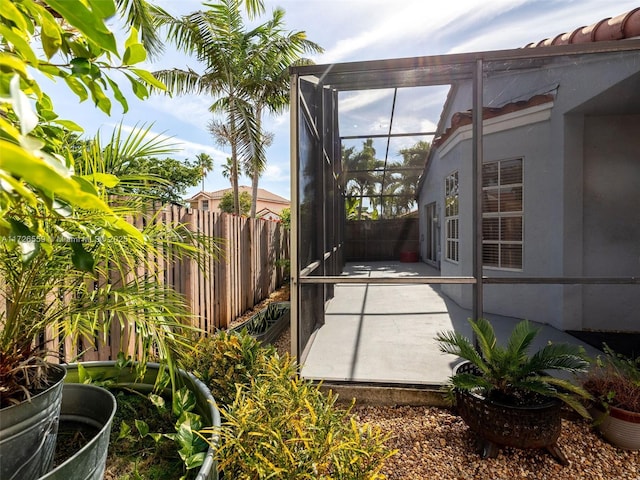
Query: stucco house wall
point(580, 175)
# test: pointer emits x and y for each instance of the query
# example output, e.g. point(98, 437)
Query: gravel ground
point(434, 443)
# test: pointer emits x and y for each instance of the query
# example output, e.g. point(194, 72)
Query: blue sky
point(349, 30)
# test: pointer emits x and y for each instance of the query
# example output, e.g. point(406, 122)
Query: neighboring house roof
point(625, 25)
point(263, 194)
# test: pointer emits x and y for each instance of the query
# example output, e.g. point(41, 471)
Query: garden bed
point(435, 443)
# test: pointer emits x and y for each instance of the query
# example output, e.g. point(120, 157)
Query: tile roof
point(625, 25)
point(465, 118)
point(263, 195)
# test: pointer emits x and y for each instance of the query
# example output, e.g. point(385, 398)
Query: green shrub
point(276, 425)
point(226, 360)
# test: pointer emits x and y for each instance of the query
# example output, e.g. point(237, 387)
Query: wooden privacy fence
point(248, 268)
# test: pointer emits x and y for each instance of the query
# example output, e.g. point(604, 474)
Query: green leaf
point(76, 87)
point(80, 66)
point(20, 44)
point(195, 461)
point(27, 240)
point(142, 427)
point(81, 259)
point(102, 8)
point(117, 93)
point(157, 400)
point(51, 35)
point(9, 11)
point(134, 54)
point(149, 78)
point(98, 96)
point(138, 88)
point(125, 430)
point(107, 179)
point(13, 63)
point(69, 125)
point(184, 401)
point(85, 20)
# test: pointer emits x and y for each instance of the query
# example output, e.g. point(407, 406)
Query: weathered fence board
point(218, 290)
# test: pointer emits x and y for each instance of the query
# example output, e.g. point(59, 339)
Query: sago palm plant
point(508, 374)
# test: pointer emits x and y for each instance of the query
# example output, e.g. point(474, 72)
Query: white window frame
point(502, 215)
point(452, 217)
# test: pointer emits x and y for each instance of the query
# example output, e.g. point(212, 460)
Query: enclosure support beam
point(477, 188)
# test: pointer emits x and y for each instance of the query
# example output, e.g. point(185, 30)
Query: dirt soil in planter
point(133, 456)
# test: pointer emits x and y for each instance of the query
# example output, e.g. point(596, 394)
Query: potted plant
point(508, 397)
point(40, 197)
point(267, 324)
point(614, 382)
point(94, 275)
point(192, 404)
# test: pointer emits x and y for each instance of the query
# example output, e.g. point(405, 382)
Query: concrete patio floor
point(385, 334)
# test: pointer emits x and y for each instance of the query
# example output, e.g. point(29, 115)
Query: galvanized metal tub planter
point(496, 424)
point(28, 432)
point(206, 405)
point(267, 325)
point(618, 426)
point(89, 409)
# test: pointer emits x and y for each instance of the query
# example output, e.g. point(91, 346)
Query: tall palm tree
point(268, 81)
point(205, 162)
point(359, 172)
point(220, 41)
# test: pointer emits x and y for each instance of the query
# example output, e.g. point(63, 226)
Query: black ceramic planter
point(496, 424)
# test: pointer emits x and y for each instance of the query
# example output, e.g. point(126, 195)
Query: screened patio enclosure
point(333, 108)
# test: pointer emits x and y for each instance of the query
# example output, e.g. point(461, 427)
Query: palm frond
point(519, 341)
point(469, 382)
point(486, 338)
point(457, 344)
point(559, 356)
point(143, 16)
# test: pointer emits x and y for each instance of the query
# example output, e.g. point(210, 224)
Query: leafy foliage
point(69, 41)
point(276, 425)
point(225, 360)
point(226, 203)
point(509, 374)
point(114, 277)
point(614, 380)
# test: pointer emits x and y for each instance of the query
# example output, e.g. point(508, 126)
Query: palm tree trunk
point(234, 164)
point(255, 174)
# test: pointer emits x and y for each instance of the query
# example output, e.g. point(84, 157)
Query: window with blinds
point(502, 219)
point(451, 219)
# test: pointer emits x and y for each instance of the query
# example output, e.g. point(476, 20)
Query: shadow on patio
point(385, 334)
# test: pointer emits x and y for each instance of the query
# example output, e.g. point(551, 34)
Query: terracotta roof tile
point(625, 25)
point(465, 118)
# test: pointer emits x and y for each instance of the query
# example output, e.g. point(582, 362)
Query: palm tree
point(219, 40)
point(205, 162)
point(359, 172)
point(269, 81)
